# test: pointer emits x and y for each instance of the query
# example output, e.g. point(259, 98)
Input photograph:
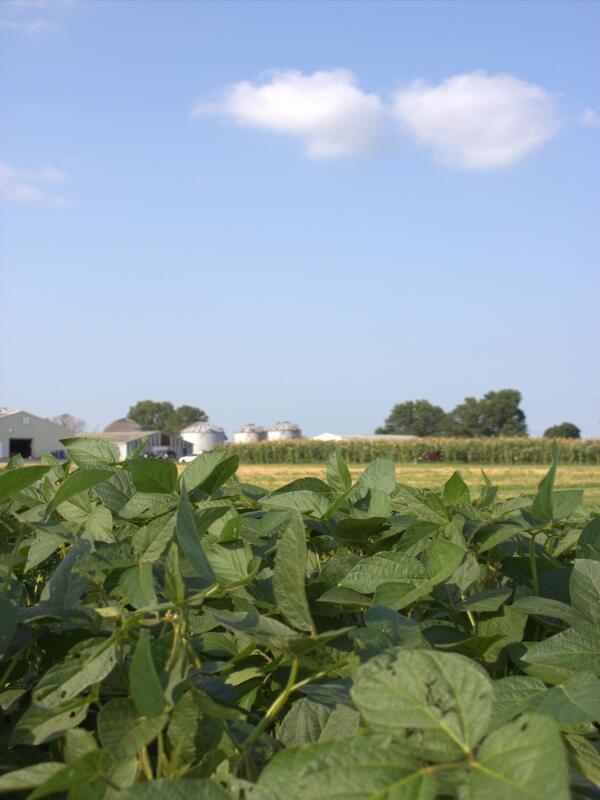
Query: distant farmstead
point(30, 436)
point(128, 436)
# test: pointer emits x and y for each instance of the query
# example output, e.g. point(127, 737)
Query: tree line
point(497, 413)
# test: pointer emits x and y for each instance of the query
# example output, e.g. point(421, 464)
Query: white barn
point(26, 434)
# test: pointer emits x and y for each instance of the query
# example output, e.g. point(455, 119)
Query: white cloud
point(591, 118)
point(31, 186)
point(477, 121)
point(325, 110)
point(31, 27)
point(32, 17)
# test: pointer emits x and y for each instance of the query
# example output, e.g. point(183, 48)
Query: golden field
point(512, 480)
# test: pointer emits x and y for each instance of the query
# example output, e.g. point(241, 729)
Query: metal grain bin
point(203, 436)
point(283, 431)
point(250, 433)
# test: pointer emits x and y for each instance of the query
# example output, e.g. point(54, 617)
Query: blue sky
point(304, 211)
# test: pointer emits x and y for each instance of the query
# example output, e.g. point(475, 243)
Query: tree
point(69, 421)
point(163, 416)
point(184, 416)
point(566, 430)
point(415, 418)
point(151, 415)
point(496, 414)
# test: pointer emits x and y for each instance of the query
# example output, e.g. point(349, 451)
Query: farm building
point(203, 437)
point(349, 437)
point(282, 431)
point(128, 435)
point(249, 433)
point(25, 434)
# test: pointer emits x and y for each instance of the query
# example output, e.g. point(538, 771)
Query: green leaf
point(153, 475)
point(492, 534)
point(337, 473)
point(123, 732)
point(82, 668)
point(289, 576)
point(13, 480)
point(144, 685)
point(513, 695)
point(490, 600)
point(209, 471)
point(66, 587)
point(89, 453)
point(137, 584)
point(575, 702)
point(314, 504)
point(79, 481)
point(444, 697)
point(523, 760)
point(589, 541)
point(99, 525)
point(189, 541)
point(545, 607)
point(364, 768)
point(183, 789)
point(456, 492)
point(380, 475)
point(439, 562)
point(585, 758)
point(174, 587)
point(29, 777)
point(574, 650)
point(584, 587)
point(83, 770)
point(542, 508)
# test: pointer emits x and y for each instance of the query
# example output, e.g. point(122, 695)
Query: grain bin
point(203, 436)
point(249, 434)
point(283, 431)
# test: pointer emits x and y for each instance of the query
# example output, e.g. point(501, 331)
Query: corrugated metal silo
point(250, 433)
point(203, 436)
point(282, 431)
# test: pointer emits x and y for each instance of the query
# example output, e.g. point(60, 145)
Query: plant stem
point(275, 707)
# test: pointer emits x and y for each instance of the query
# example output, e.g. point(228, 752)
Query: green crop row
point(168, 636)
point(517, 450)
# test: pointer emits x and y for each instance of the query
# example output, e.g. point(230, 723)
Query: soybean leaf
point(13, 480)
point(523, 760)
point(337, 473)
point(153, 475)
point(81, 771)
point(542, 508)
point(585, 758)
point(444, 697)
point(90, 453)
point(545, 607)
point(456, 492)
point(79, 481)
point(589, 541)
point(189, 541)
point(289, 575)
point(185, 789)
point(209, 471)
point(123, 732)
point(584, 588)
point(572, 650)
point(365, 767)
point(20, 780)
point(144, 684)
point(137, 585)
